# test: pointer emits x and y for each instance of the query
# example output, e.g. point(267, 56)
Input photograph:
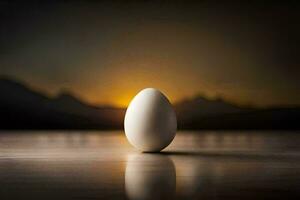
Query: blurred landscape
point(227, 65)
point(24, 108)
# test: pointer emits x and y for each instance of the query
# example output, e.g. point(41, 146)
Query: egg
point(150, 121)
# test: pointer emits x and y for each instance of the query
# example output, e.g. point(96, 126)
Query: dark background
point(77, 64)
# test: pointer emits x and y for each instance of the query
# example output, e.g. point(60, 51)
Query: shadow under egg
point(150, 176)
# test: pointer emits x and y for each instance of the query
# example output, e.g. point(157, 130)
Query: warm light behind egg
point(150, 121)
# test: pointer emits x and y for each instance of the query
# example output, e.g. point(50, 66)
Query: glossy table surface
point(197, 165)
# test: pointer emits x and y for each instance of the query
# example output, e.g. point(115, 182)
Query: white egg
point(150, 121)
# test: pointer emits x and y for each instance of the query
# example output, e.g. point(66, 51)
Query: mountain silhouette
point(200, 106)
point(24, 108)
point(203, 113)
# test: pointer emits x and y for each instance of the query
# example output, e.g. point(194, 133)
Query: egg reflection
point(150, 176)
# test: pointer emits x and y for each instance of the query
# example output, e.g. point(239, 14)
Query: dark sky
point(106, 52)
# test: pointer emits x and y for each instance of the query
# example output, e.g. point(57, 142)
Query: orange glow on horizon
point(123, 100)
